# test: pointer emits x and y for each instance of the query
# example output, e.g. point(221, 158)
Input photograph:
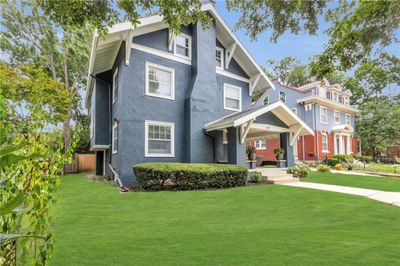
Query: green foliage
point(188, 176)
point(332, 161)
point(379, 168)
point(31, 161)
point(343, 157)
point(301, 170)
point(103, 13)
point(378, 124)
point(279, 151)
point(83, 146)
point(255, 177)
point(280, 16)
point(290, 71)
point(323, 168)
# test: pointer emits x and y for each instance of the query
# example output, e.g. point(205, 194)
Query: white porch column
point(335, 151)
point(341, 144)
point(348, 145)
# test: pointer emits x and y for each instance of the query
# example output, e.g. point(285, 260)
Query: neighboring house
point(326, 109)
point(153, 96)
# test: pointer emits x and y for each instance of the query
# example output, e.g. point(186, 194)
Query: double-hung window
point(282, 96)
point(261, 144)
point(325, 142)
point(115, 85)
point(324, 115)
point(337, 117)
point(219, 57)
point(183, 46)
point(160, 81)
point(266, 100)
point(232, 97)
point(335, 96)
point(348, 119)
point(159, 139)
point(114, 144)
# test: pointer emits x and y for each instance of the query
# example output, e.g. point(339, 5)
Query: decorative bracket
point(229, 54)
point(293, 136)
point(253, 83)
point(128, 48)
point(244, 130)
point(171, 41)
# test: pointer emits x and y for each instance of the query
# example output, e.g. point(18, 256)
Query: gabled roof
point(105, 49)
point(279, 109)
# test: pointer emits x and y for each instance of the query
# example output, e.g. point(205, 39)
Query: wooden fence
point(82, 163)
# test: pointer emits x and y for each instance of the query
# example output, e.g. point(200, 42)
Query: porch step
point(281, 180)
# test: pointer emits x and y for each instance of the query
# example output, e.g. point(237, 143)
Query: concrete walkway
point(392, 198)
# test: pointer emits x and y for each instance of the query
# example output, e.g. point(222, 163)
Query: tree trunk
point(66, 124)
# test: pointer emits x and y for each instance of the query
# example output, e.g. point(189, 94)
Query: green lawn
point(257, 225)
point(361, 181)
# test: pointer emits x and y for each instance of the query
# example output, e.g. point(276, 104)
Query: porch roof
point(343, 127)
point(247, 117)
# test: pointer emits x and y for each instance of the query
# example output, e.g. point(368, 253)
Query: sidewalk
point(392, 198)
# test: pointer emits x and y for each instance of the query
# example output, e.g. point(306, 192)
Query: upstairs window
point(183, 45)
point(115, 85)
point(325, 142)
point(261, 144)
point(114, 144)
point(159, 139)
point(346, 100)
point(335, 96)
point(348, 119)
point(337, 117)
point(232, 97)
point(219, 57)
point(282, 96)
point(324, 115)
point(160, 81)
point(266, 100)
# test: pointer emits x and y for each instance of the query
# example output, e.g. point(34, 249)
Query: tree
point(378, 124)
point(83, 146)
point(290, 71)
point(357, 28)
point(103, 13)
point(29, 36)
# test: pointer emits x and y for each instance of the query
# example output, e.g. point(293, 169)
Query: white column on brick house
point(341, 144)
point(348, 145)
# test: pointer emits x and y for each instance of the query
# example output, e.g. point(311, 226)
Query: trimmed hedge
point(188, 176)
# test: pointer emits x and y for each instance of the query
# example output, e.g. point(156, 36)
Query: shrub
point(323, 168)
point(301, 170)
point(338, 166)
point(344, 158)
point(365, 159)
point(255, 177)
point(332, 161)
point(188, 176)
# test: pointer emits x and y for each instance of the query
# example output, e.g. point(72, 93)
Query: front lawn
point(256, 225)
point(361, 181)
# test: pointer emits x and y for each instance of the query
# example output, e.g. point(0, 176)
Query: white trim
point(240, 99)
point(163, 68)
point(334, 117)
point(284, 93)
point(294, 110)
point(231, 75)
point(320, 115)
point(326, 102)
point(146, 138)
point(345, 119)
point(189, 48)
point(229, 52)
point(253, 83)
point(99, 147)
point(115, 74)
point(221, 50)
point(261, 148)
point(113, 148)
point(160, 53)
point(327, 142)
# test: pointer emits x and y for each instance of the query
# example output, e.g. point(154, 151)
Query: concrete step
point(281, 180)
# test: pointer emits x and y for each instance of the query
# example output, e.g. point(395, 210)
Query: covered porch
point(342, 141)
point(230, 133)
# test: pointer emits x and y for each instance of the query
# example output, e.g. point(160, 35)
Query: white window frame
point(240, 99)
point(146, 138)
point(189, 48)
point(320, 114)
point(114, 148)
point(171, 70)
point(323, 143)
point(263, 102)
point(347, 121)
point(294, 110)
point(334, 117)
point(280, 93)
point(115, 75)
point(261, 147)
point(221, 50)
point(335, 96)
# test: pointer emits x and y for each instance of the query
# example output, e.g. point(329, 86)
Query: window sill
point(158, 155)
point(160, 96)
point(325, 151)
point(232, 109)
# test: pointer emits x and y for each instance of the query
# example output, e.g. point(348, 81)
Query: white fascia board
point(328, 103)
point(91, 65)
point(213, 11)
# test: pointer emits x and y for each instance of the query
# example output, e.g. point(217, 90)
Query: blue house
point(154, 96)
